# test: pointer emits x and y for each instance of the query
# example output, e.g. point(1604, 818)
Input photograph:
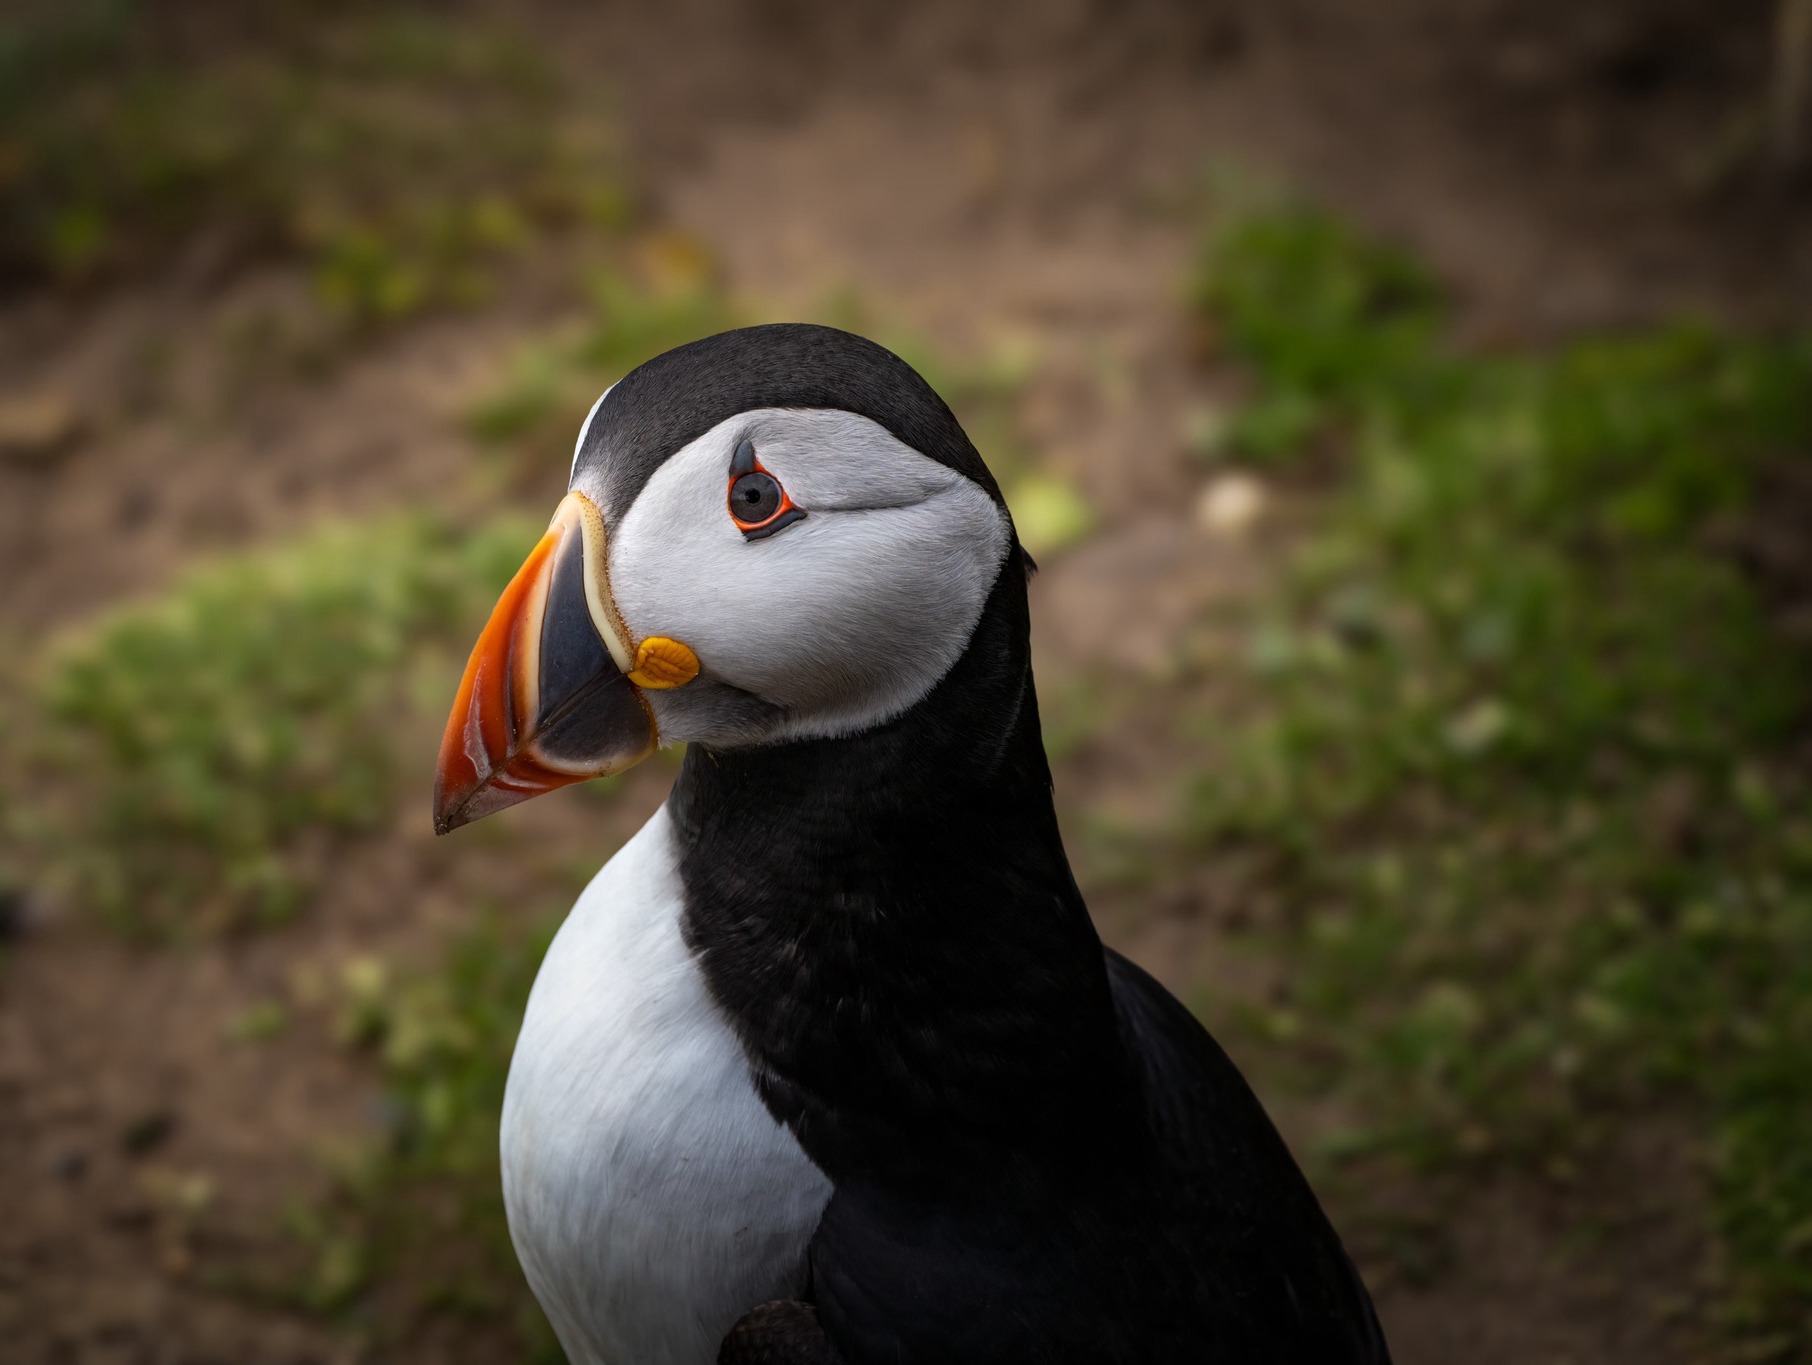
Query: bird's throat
point(890, 923)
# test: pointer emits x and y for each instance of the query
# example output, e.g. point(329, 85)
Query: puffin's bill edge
point(545, 700)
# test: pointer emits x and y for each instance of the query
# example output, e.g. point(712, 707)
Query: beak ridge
point(543, 702)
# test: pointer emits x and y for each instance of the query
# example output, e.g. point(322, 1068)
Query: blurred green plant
point(207, 746)
point(1328, 317)
point(1517, 738)
point(419, 1216)
point(632, 315)
point(1049, 512)
point(401, 156)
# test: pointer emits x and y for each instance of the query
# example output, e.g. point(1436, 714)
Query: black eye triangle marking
point(743, 461)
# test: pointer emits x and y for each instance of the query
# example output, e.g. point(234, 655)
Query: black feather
point(1037, 1154)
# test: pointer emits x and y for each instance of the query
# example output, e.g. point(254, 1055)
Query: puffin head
point(771, 534)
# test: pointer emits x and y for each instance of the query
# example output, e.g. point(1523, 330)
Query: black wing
point(1271, 1276)
point(1203, 1244)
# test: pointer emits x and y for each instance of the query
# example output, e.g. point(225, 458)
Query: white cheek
point(843, 619)
point(857, 615)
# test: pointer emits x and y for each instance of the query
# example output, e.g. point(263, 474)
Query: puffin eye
point(758, 504)
point(754, 498)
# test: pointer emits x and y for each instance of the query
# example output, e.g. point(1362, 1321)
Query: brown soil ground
point(979, 171)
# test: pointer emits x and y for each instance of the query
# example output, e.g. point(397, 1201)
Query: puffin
point(828, 1065)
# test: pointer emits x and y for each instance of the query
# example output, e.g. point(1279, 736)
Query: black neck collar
point(890, 923)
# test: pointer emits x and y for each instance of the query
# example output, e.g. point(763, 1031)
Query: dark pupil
point(754, 498)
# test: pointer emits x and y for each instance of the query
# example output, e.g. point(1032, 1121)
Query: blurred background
point(1410, 404)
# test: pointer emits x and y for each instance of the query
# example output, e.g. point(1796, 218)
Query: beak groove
point(545, 700)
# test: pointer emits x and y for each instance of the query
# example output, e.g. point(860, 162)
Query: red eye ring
point(757, 502)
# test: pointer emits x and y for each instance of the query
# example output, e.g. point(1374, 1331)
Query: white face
point(832, 624)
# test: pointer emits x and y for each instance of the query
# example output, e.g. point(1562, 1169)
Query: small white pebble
point(1231, 505)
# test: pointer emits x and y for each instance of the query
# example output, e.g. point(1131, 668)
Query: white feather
point(652, 1198)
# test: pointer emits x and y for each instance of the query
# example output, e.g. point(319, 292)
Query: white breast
point(652, 1198)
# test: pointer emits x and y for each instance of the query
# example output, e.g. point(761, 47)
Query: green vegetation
point(418, 1218)
point(635, 311)
point(1048, 512)
point(206, 754)
point(400, 156)
point(1330, 320)
point(1516, 743)
point(213, 741)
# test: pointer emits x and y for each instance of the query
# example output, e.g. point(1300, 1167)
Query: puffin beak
point(553, 692)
